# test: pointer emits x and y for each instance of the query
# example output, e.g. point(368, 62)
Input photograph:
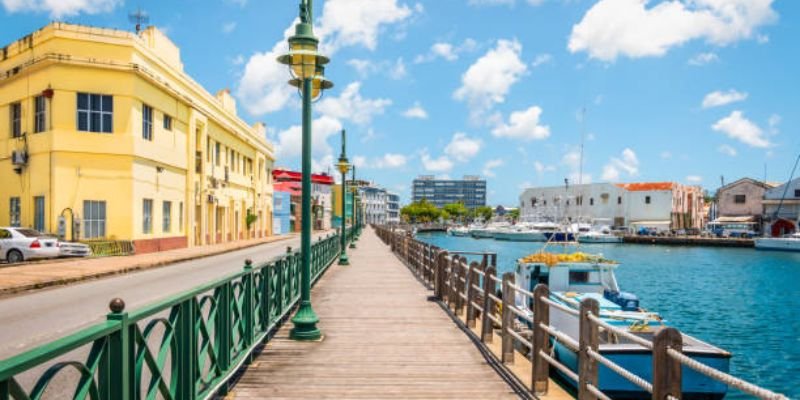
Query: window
point(647, 200)
point(147, 122)
point(591, 201)
point(14, 212)
point(166, 216)
point(739, 199)
point(95, 113)
point(147, 216)
point(797, 193)
point(578, 277)
point(38, 213)
point(15, 116)
point(94, 219)
point(216, 153)
point(4, 234)
point(40, 114)
point(180, 216)
point(167, 122)
point(198, 162)
point(619, 199)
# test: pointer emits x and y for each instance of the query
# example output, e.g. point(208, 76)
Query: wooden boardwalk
point(383, 339)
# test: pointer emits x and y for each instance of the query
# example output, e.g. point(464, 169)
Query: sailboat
point(788, 242)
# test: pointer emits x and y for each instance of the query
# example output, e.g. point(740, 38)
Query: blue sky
point(672, 90)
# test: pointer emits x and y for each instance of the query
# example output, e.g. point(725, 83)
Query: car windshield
point(29, 232)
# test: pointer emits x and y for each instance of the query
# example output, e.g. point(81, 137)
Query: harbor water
point(742, 300)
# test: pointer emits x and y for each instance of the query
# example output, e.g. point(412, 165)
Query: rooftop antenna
point(139, 17)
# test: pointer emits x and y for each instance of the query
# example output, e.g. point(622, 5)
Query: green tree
point(484, 213)
point(421, 211)
point(514, 214)
point(455, 210)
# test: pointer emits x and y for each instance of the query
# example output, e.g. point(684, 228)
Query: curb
point(135, 268)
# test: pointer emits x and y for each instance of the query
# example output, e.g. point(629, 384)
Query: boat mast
point(786, 189)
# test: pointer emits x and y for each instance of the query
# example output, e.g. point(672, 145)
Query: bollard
point(488, 306)
point(588, 340)
point(471, 279)
point(541, 339)
point(666, 370)
point(508, 319)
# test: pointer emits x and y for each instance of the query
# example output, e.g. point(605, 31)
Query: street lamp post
point(355, 212)
point(343, 167)
point(307, 68)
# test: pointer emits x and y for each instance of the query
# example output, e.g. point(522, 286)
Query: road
point(36, 318)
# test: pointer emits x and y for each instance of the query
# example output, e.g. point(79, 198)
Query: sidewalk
point(22, 277)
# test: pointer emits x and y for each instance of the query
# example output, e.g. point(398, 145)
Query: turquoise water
point(742, 300)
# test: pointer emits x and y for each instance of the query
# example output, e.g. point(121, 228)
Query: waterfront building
point(741, 202)
point(337, 206)
point(321, 194)
point(782, 209)
point(392, 208)
point(471, 191)
point(283, 213)
point(375, 203)
point(110, 139)
point(658, 205)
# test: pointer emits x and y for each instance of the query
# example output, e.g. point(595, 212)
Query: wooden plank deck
point(383, 339)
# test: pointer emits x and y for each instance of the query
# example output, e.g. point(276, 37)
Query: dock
point(689, 241)
point(383, 338)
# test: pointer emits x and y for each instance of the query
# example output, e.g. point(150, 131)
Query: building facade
point(282, 215)
point(659, 205)
point(321, 194)
point(782, 209)
point(470, 190)
point(108, 138)
point(742, 201)
point(392, 208)
point(375, 205)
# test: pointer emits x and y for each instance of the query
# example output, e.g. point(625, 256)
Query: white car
point(22, 244)
point(70, 249)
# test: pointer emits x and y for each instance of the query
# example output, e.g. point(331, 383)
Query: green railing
point(184, 347)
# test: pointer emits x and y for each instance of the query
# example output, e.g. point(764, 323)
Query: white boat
point(599, 234)
point(521, 232)
point(786, 243)
point(460, 231)
point(488, 231)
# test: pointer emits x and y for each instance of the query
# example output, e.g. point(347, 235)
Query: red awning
point(283, 175)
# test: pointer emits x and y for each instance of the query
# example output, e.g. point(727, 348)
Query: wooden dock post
point(508, 319)
point(588, 340)
point(471, 280)
point(541, 339)
point(459, 274)
point(453, 277)
point(666, 370)
point(487, 327)
point(439, 287)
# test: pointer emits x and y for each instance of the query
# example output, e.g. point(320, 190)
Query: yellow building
point(104, 127)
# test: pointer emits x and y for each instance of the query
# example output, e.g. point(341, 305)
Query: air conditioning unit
point(19, 157)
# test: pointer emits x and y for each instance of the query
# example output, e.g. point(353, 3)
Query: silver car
point(22, 244)
point(70, 249)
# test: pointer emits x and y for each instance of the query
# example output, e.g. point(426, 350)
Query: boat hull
point(695, 386)
point(778, 244)
point(520, 236)
point(482, 234)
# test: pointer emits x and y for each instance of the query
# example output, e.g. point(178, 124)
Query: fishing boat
point(786, 243)
point(574, 277)
point(460, 231)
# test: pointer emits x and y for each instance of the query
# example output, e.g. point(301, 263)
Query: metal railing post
point(248, 307)
point(187, 350)
point(666, 370)
point(117, 369)
point(487, 328)
point(588, 340)
point(508, 319)
point(471, 278)
point(541, 339)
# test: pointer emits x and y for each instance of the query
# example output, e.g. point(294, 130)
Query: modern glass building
point(471, 190)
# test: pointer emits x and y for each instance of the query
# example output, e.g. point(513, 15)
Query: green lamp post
point(307, 68)
point(355, 211)
point(344, 166)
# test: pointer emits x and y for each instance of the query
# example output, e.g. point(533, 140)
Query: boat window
point(578, 277)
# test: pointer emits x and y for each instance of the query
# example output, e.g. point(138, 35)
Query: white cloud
point(736, 126)
point(462, 148)
point(441, 164)
point(630, 28)
point(350, 105)
point(289, 141)
point(360, 161)
point(416, 111)
point(262, 88)
point(502, 2)
point(238, 60)
point(490, 166)
point(727, 150)
point(666, 155)
point(702, 59)
point(773, 121)
point(61, 8)
point(628, 164)
point(229, 27)
point(541, 168)
point(542, 59)
point(489, 79)
point(572, 159)
point(694, 179)
point(392, 69)
point(391, 160)
point(719, 98)
point(523, 125)
point(398, 70)
point(447, 51)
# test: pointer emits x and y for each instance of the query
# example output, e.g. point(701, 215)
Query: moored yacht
point(599, 234)
point(460, 231)
point(786, 243)
point(574, 277)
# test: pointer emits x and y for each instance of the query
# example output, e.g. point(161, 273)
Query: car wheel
point(14, 256)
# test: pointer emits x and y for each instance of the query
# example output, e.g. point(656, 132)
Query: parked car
point(22, 244)
point(70, 249)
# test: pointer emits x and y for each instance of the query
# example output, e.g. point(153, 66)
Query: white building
point(374, 203)
point(392, 208)
point(782, 209)
point(659, 205)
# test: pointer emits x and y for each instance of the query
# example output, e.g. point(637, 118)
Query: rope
point(559, 306)
point(521, 290)
point(595, 391)
point(475, 287)
point(729, 380)
point(552, 361)
point(521, 339)
point(635, 379)
point(636, 339)
point(520, 313)
point(558, 335)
